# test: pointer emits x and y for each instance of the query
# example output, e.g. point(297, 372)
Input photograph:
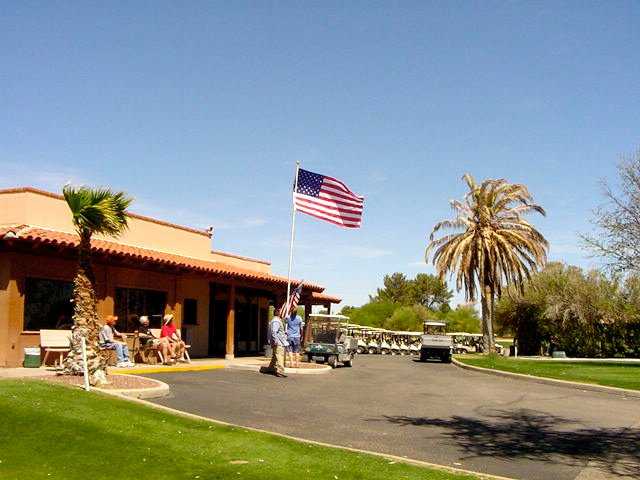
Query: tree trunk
point(85, 319)
point(487, 318)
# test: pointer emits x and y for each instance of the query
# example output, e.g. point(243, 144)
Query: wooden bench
point(144, 351)
point(56, 341)
point(148, 352)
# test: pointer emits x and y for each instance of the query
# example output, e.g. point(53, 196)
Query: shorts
point(294, 345)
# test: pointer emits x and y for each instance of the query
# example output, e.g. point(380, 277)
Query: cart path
point(433, 412)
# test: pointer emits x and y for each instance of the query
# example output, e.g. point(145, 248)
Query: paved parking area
point(433, 412)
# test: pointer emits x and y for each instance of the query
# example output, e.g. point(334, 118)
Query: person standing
point(295, 326)
point(278, 341)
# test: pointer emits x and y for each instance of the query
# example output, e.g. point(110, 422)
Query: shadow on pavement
point(538, 436)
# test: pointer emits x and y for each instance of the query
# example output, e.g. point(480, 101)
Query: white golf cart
point(436, 343)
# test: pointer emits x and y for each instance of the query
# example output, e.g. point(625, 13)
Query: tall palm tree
point(103, 212)
point(492, 245)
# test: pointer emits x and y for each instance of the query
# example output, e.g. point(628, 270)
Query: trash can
point(31, 357)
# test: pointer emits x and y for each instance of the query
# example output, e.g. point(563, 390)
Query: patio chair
point(148, 352)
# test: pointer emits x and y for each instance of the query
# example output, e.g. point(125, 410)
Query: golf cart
point(436, 343)
point(330, 342)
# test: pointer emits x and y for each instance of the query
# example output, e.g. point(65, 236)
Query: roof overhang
point(31, 236)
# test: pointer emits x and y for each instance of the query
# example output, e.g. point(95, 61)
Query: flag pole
point(293, 233)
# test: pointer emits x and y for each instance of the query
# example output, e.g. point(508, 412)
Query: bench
point(56, 341)
point(144, 351)
point(147, 352)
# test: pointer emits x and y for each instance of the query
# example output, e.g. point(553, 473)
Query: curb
point(550, 381)
point(287, 370)
point(386, 456)
point(165, 369)
point(161, 390)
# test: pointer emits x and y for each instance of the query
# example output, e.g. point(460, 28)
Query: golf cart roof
point(435, 324)
point(326, 315)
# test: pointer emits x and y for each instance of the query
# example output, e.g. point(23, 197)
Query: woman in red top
point(170, 332)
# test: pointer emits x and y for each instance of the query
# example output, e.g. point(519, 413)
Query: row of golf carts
point(334, 341)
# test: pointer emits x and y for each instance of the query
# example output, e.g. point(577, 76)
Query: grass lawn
point(613, 375)
point(50, 431)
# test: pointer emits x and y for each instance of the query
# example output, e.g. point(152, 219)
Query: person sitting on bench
point(148, 339)
point(108, 342)
point(170, 332)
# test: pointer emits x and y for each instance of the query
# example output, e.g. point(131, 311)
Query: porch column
point(307, 325)
point(231, 323)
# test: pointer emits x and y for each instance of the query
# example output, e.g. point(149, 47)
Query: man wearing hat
point(170, 332)
point(147, 338)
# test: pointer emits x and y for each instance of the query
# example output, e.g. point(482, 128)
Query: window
point(190, 316)
point(47, 304)
point(132, 303)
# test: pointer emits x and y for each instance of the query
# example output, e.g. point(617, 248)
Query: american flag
point(294, 298)
point(328, 199)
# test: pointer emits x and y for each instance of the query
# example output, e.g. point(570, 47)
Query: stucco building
point(220, 300)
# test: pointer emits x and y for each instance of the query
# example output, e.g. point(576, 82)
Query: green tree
point(462, 319)
point(585, 313)
point(403, 319)
point(373, 314)
point(396, 289)
point(492, 245)
point(94, 211)
point(430, 291)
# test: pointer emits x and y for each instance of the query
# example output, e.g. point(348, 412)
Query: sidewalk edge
point(550, 381)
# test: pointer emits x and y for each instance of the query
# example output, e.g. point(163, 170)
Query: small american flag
point(294, 298)
point(328, 199)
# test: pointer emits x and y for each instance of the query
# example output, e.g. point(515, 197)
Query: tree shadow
point(538, 436)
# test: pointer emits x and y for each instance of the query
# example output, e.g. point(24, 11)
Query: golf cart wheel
point(332, 361)
point(372, 351)
point(348, 363)
point(361, 350)
point(305, 358)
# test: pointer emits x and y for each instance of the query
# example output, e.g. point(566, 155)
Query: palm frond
point(97, 210)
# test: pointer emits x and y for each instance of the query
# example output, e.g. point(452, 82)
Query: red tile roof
point(39, 235)
point(324, 297)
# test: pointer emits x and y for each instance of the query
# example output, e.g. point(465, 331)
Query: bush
point(586, 314)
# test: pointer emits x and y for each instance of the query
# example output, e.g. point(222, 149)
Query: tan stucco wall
point(198, 335)
point(38, 209)
point(16, 267)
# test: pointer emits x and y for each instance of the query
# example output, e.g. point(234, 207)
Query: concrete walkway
point(196, 365)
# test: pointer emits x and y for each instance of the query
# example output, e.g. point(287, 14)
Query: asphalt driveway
point(433, 412)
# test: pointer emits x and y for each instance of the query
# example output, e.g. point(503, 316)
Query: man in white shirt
point(278, 340)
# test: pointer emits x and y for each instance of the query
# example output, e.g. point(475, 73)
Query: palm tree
point(98, 211)
point(492, 245)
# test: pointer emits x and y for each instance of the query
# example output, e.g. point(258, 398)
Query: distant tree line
point(592, 313)
point(584, 313)
point(404, 304)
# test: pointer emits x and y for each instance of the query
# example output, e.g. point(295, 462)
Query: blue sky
point(200, 109)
